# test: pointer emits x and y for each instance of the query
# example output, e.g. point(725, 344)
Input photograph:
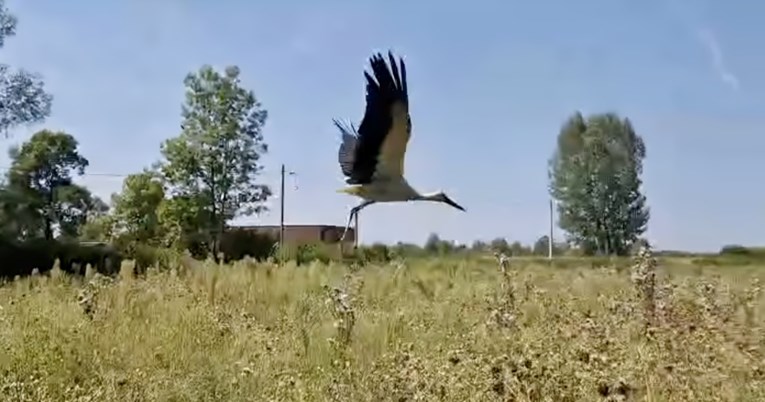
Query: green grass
point(441, 329)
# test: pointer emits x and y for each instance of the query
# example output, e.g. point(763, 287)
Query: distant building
point(304, 234)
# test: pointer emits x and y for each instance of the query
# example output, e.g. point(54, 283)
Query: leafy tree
point(215, 160)
point(541, 246)
point(432, 243)
point(595, 177)
point(500, 245)
point(404, 250)
point(41, 179)
point(435, 245)
point(23, 99)
point(19, 216)
point(74, 206)
point(446, 247)
point(561, 247)
point(478, 246)
point(98, 228)
point(185, 223)
point(136, 208)
point(517, 249)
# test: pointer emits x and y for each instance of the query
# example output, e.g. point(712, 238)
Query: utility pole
point(284, 173)
point(281, 219)
point(550, 239)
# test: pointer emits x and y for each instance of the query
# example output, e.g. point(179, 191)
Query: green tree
point(74, 206)
point(406, 250)
point(98, 228)
point(41, 179)
point(561, 247)
point(136, 209)
point(19, 216)
point(184, 222)
point(432, 243)
point(478, 246)
point(435, 245)
point(541, 246)
point(595, 177)
point(23, 99)
point(518, 249)
point(215, 161)
point(500, 245)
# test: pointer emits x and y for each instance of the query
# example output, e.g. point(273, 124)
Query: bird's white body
point(389, 190)
point(372, 157)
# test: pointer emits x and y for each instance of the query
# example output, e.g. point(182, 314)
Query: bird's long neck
point(428, 196)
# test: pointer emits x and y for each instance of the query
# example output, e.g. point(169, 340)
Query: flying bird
point(372, 157)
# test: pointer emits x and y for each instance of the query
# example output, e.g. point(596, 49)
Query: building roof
point(286, 226)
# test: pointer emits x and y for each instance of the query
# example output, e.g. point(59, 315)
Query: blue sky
point(490, 85)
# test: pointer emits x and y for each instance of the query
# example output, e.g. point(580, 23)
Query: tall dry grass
point(438, 330)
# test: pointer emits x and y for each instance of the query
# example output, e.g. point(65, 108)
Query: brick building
point(305, 234)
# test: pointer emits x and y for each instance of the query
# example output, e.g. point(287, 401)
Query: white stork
point(372, 158)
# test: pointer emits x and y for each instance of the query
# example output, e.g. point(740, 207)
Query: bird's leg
point(354, 211)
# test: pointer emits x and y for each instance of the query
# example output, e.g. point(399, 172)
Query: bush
point(307, 253)
point(74, 256)
point(197, 244)
point(735, 249)
point(376, 253)
point(146, 257)
point(734, 255)
point(104, 258)
point(21, 258)
point(236, 244)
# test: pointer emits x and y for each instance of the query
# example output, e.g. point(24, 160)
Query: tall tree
point(41, 174)
point(432, 243)
point(136, 208)
point(74, 206)
point(98, 228)
point(19, 213)
point(500, 245)
point(22, 95)
point(595, 177)
point(215, 160)
point(541, 246)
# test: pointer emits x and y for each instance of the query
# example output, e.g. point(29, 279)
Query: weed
point(407, 330)
point(505, 309)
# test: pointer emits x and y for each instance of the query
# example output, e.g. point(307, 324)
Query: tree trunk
point(48, 220)
point(48, 228)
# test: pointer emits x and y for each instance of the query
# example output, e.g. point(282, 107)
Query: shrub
point(74, 256)
point(146, 257)
point(376, 253)
point(735, 249)
point(238, 243)
point(22, 257)
point(307, 253)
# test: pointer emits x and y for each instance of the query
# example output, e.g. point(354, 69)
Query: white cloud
point(710, 42)
point(691, 16)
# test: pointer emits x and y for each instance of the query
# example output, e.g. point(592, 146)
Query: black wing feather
point(347, 147)
point(382, 91)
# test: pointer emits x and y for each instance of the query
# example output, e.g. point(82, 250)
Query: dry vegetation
point(451, 330)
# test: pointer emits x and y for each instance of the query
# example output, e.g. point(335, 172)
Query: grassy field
point(434, 330)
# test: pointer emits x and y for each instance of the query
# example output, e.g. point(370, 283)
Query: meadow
point(438, 329)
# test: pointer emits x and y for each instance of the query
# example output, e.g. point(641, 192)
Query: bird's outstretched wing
point(347, 149)
point(385, 129)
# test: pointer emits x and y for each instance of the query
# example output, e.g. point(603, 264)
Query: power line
point(84, 174)
point(123, 175)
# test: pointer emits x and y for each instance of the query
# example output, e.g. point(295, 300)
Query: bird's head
point(442, 197)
